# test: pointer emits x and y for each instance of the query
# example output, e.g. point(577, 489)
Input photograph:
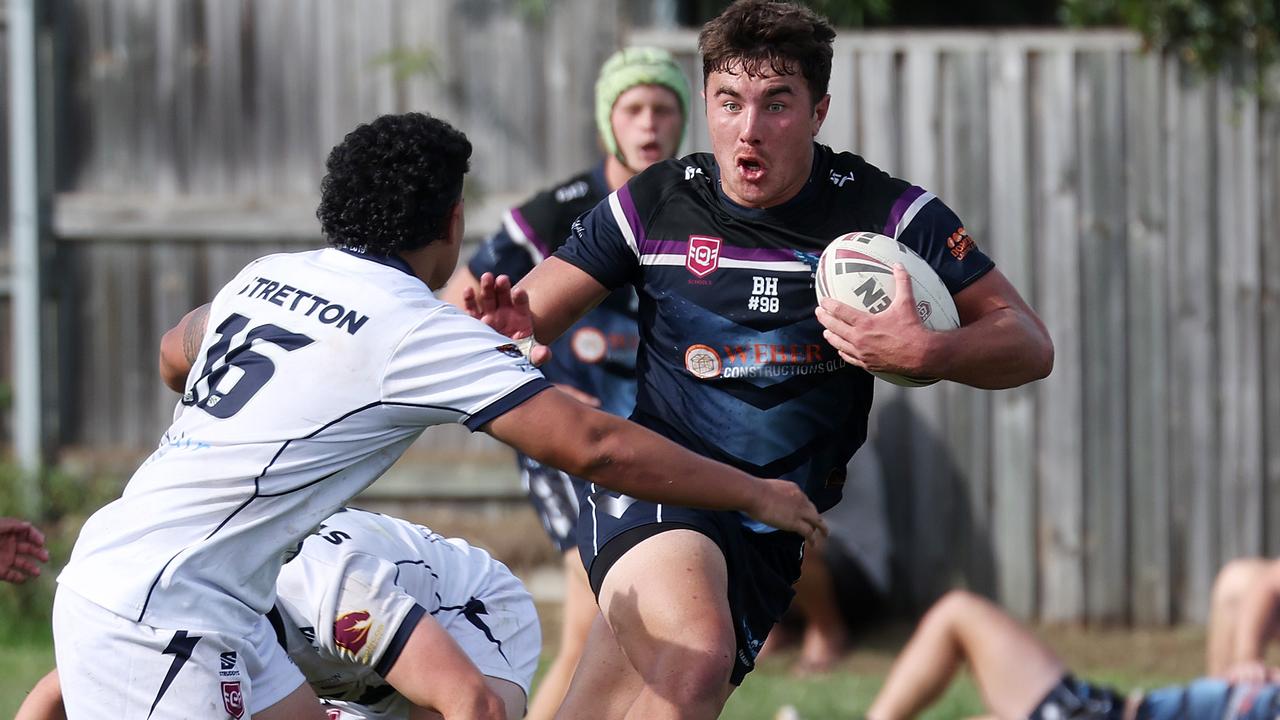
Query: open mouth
point(751, 169)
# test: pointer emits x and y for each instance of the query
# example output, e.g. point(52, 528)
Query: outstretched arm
point(1014, 670)
point(21, 550)
point(1001, 342)
point(560, 432)
point(179, 347)
point(553, 296)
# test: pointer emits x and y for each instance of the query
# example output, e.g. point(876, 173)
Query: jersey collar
point(394, 261)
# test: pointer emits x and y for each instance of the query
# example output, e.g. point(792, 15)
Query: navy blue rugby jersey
point(732, 361)
point(597, 355)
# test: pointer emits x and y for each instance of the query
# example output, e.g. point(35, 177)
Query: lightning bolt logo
point(180, 648)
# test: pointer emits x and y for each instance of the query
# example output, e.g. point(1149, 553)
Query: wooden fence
point(1133, 204)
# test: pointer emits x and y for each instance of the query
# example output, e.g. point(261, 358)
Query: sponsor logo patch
point(228, 660)
point(704, 255)
point(702, 362)
point(351, 631)
point(960, 244)
point(233, 699)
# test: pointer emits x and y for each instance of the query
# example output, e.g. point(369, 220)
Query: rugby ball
point(857, 269)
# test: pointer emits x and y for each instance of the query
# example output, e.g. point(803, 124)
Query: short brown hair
point(756, 36)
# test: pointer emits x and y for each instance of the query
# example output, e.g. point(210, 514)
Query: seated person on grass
point(1019, 677)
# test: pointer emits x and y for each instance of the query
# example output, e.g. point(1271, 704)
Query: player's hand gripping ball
point(857, 269)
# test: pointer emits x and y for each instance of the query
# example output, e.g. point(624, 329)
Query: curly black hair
point(391, 184)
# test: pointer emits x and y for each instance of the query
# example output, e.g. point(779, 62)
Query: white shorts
point(503, 640)
point(113, 668)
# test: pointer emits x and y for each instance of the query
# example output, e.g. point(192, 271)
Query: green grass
point(22, 663)
point(1125, 659)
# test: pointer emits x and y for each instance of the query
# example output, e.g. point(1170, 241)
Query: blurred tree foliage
point(1209, 34)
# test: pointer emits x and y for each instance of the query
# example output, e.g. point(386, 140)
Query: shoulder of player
point(550, 211)
point(695, 172)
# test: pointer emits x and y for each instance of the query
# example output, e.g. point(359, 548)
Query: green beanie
point(637, 66)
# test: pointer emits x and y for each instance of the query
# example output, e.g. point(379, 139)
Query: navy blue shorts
point(554, 495)
point(762, 567)
point(1073, 699)
point(1209, 699)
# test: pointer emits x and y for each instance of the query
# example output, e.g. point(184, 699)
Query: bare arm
point(1256, 623)
point(560, 432)
point(433, 672)
point(1001, 342)
point(44, 702)
point(179, 347)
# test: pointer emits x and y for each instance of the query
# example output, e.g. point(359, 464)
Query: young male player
point(309, 374)
point(1020, 677)
point(642, 106)
point(387, 619)
point(733, 362)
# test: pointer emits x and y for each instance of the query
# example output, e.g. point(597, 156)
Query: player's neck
point(615, 173)
point(429, 263)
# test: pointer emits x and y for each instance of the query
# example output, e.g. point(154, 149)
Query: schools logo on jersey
point(233, 699)
point(702, 362)
point(351, 631)
point(704, 255)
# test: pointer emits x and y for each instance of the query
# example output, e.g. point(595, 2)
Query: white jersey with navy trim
point(316, 372)
point(358, 587)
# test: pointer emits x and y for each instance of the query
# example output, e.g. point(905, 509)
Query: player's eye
point(732, 106)
point(776, 107)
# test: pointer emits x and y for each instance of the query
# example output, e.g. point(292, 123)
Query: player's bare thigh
point(302, 703)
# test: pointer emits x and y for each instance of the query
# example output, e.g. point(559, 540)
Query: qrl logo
point(233, 699)
point(704, 255)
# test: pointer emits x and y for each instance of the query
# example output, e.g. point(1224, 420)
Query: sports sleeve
point(454, 368)
point(512, 251)
point(922, 222)
point(371, 616)
point(605, 242)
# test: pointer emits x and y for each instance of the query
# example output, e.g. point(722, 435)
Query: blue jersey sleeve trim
point(399, 640)
point(506, 403)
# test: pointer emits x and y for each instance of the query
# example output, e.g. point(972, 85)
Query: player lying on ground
point(303, 381)
point(388, 620)
point(1019, 677)
point(734, 362)
point(642, 105)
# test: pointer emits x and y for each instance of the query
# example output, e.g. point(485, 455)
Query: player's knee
point(1235, 578)
point(689, 678)
point(953, 607)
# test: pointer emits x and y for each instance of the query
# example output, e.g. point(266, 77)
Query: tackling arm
point(560, 432)
point(179, 347)
point(553, 296)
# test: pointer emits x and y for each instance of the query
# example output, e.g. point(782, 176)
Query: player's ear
point(820, 113)
point(457, 222)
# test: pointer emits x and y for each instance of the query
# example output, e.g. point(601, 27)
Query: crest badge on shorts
point(233, 699)
point(704, 255)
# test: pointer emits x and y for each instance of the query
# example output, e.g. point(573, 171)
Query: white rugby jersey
point(316, 371)
point(344, 599)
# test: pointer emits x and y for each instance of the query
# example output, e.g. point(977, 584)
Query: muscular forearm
point(179, 347)
point(1000, 350)
point(637, 462)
